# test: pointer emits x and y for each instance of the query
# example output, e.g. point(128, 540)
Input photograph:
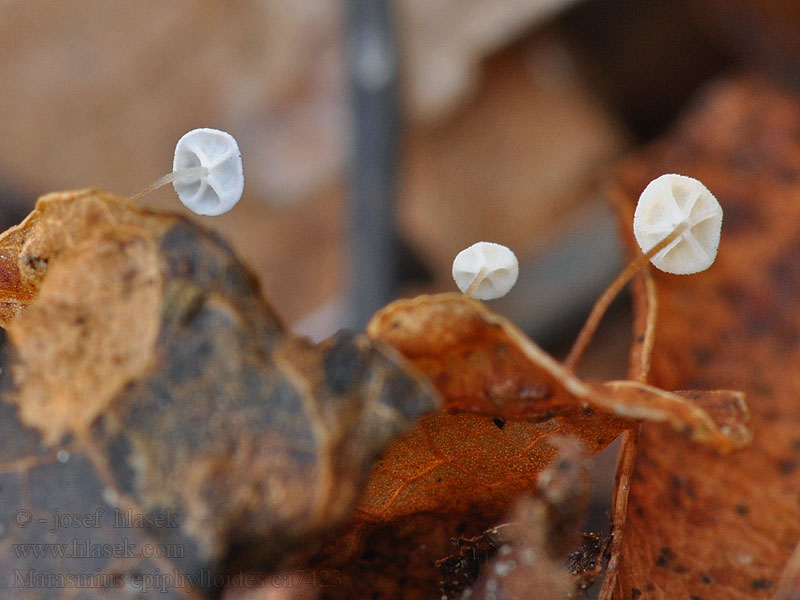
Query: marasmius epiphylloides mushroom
point(677, 224)
point(485, 270)
point(206, 172)
point(680, 206)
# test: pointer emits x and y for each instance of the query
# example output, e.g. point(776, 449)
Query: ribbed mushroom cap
point(667, 203)
point(501, 272)
point(221, 188)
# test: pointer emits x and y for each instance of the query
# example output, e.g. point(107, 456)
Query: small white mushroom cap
point(673, 201)
point(220, 188)
point(494, 264)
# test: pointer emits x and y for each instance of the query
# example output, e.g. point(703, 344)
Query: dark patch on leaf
point(344, 364)
point(761, 583)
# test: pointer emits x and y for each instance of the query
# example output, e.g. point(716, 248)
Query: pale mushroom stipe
point(679, 203)
point(485, 270)
point(206, 173)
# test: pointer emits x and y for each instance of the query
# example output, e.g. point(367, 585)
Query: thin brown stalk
point(627, 455)
point(604, 301)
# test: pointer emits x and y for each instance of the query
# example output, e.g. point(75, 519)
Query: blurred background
point(379, 138)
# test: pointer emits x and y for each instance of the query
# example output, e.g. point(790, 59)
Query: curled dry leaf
point(718, 418)
point(482, 363)
point(148, 384)
point(699, 525)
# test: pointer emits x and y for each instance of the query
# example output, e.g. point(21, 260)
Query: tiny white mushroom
point(485, 270)
point(208, 166)
point(677, 224)
point(676, 203)
point(206, 173)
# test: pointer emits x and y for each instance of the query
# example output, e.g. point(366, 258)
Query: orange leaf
point(462, 469)
point(700, 525)
point(482, 363)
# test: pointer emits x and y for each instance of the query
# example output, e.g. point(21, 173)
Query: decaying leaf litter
point(698, 525)
point(251, 427)
point(121, 392)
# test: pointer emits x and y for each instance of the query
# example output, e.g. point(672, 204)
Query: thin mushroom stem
point(650, 325)
point(627, 454)
point(476, 282)
point(604, 301)
point(169, 178)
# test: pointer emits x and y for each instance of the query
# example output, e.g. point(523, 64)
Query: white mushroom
point(485, 270)
point(206, 173)
point(677, 224)
point(680, 206)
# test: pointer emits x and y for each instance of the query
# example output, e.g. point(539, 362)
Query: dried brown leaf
point(718, 418)
point(700, 525)
point(477, 359)
point(148, 377)
point(459, 472)
point(58, 222)
point(482, 363)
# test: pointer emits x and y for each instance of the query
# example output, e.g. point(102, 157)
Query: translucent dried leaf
point(477, 359)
